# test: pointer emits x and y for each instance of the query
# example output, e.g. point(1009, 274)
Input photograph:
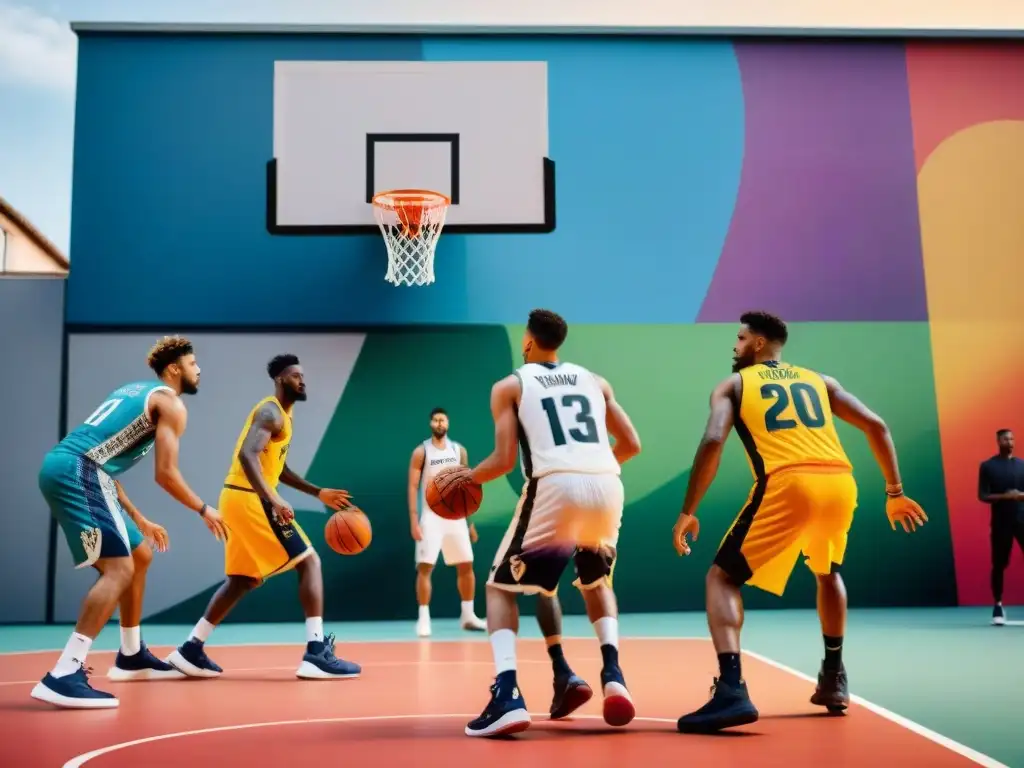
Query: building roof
point(33, 234)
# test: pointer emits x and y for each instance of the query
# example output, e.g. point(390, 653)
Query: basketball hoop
point(411, 221)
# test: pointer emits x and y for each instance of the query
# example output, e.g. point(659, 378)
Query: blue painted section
point(647, 138)
point(173, 134)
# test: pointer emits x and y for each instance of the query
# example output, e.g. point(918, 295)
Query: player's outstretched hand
point(215, 523)
point(335, 499)
point(906, 512)
point(154, 533)
point(686, 525)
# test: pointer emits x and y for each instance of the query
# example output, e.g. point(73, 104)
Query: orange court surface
point(414, 698)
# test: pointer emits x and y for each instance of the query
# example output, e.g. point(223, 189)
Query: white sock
point(73, 656)
point(131, 640)
point(424, 613)
point(503, 645)
point(315, 629)
point(202, 631)
point(607, 630)
point(467, 609)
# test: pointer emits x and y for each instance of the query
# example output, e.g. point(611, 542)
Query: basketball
point(451, 500)
point(348, 532)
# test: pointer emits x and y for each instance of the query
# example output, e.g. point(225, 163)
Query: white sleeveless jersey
point(562, 422)
point(434, 460)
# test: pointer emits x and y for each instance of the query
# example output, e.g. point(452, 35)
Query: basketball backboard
point(474, 131)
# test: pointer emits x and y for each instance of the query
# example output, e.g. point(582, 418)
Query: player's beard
point(298, 396)
point(439, 433)
point(739, 363)
point(189, 387)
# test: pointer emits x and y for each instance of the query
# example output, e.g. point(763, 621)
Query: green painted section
point(945, 669)
point(661, 376)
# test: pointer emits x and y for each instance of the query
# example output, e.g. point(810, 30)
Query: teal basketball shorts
point(83, 499)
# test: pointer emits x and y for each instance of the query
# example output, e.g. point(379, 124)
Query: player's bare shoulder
point(167, 403)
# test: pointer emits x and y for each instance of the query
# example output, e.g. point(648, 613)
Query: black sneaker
point(571, 693)
point(618, 707)
point(998, 615)
point(505, 713)
point(730, 706)
point(141, 666)
point(833, 691)
point(190, 659)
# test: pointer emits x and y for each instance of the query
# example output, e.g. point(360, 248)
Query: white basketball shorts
point(440, 536)
point(561, 517)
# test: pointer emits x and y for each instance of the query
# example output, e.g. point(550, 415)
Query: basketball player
point(265, 538)
point(803, 500)
point(571, 509)
point(103, 528)
point(435, 535)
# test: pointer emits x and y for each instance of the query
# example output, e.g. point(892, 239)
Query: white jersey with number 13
point(562, 421)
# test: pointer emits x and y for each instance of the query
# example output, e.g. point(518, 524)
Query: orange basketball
point(348, 532)
point(451, 500)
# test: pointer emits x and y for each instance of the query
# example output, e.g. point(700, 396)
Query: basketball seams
point(345, 535)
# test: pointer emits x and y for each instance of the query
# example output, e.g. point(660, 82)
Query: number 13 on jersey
point(578, 409)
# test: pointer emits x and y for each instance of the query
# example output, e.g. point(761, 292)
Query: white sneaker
point(423, 628)
point(473, 623)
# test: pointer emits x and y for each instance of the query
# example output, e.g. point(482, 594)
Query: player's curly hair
point(764, 324)
point(168, 350)
point(276, 366)
point(548, 329)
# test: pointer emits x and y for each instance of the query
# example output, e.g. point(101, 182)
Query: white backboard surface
point(475, 131)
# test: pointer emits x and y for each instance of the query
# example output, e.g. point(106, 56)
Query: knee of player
point(142, 556)
point(121, 570)
point(424, 570)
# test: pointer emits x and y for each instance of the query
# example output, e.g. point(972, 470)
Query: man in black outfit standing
point(1000, 480)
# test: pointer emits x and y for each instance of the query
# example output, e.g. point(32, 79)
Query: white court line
point(80, 760)
point(476, 637)
point(374, 664)
point(961, 749)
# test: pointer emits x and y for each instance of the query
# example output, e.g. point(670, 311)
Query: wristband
point(894, 491)
point(202, 510)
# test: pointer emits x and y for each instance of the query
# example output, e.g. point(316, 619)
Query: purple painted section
point(825, 226)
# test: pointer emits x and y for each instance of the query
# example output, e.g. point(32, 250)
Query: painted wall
point(370, 396)
point(30, 346)
point(863, 190)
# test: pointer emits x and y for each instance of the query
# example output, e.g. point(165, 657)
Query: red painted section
point(429, 679)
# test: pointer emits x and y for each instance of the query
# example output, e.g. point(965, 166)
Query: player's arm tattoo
point(415, 473)
point(506, 433)
point(293, 480)
point(709, 452)
point(267, 424)
point(851, 410)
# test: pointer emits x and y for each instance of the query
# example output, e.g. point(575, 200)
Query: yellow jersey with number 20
point(785, 420)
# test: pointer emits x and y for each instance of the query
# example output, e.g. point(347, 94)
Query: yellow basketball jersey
point(272, 457)
point(785, 420)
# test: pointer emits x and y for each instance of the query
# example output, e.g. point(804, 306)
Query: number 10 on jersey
point(579, 409)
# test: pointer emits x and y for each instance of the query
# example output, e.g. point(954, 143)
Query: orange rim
point(393, 199)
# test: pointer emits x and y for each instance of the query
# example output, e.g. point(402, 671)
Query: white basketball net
point(411, 221)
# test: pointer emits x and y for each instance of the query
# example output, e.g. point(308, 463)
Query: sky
point(37, 77)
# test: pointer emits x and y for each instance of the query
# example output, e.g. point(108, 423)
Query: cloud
point(36, 51)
